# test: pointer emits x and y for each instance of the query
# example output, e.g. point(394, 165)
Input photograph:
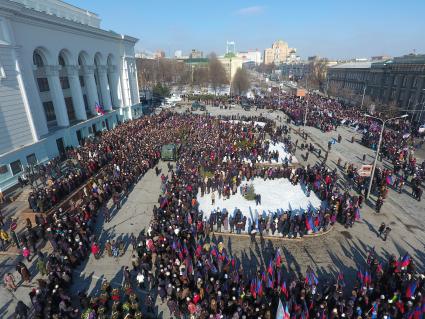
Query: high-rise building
point(62, 79)
point(277, 54)
point(230, 47)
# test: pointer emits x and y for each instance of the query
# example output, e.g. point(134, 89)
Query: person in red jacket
point(95, 250)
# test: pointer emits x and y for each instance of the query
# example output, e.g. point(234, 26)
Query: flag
point(308, 223)
point(252, 288)
point(311, 278)
point(340, 280)
point(367, 279)
point(280, 312)
point(357, 213)
point(284, 290)
point(417, 314)
point(270, 268)
point(411, 288)
point(259, 288)
point(374, 310)
point(405, 261)
point(360, 276)
point(99, 109)
point(278, 258)
point(286, 314)
point(270, 282)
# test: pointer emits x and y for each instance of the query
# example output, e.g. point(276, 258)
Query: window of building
point(64, 82)
point(3, 169)
point(43, 84)
point(86, 103)
point(61, 60)
point(70, 108)
point(37, 60)
point(31, 159)
point(16, 167)
point(49, 110)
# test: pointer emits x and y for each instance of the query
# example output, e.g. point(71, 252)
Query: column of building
point(76, 92)
point(407, 101)
point(114, 85)
point(124, 84)
point(52, 73)
point(104, 87)
point(90, 83)
point(399, 82)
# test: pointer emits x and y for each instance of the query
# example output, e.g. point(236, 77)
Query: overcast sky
point(336, 29)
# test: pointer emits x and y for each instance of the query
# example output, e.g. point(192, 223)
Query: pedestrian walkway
point(133, 217)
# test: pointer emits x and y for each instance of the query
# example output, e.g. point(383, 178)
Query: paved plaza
point(338, 250)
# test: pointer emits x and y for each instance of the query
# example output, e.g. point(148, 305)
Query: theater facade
point(62, 79)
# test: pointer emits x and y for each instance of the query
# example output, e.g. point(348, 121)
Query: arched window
point(37, 59)
point(61, 60)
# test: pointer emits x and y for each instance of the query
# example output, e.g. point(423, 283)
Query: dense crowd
point(398, 141)
point(176, 257)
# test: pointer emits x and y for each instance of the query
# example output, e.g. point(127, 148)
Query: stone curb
point(273, 237)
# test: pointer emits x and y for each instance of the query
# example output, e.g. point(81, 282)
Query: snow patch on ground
point(281, 148)
point(277, 195)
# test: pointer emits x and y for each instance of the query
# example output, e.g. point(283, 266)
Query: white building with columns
point(56, 65)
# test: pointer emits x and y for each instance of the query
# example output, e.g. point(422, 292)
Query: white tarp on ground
point(260, 124)
point(281, 148)
point(276, 195)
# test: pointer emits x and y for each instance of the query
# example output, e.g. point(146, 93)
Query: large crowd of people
point(176, 257)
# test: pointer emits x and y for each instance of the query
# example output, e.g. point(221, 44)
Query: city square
point(243, 185)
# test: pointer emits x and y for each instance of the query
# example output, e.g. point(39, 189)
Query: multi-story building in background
point(230, 47)
point(178, 54)
point(56, 66)
point(292, 56)
point(399, 81)
point(159, 54)
point(250, 56)
point(295, 71)
point(195, 54)
point(231, 64)
point(277, 54)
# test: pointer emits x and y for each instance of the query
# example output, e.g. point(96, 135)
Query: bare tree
point(147, 72)
point(241, 82)
point(200, 76)
point(317, 74)
point(217, 73)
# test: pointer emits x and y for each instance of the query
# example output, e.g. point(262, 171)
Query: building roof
point(410, 59)
point(196, 60)
point(353, 65)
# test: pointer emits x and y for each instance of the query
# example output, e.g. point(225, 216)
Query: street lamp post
point(364, 92)
point(306, 111)
point(379, 146)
